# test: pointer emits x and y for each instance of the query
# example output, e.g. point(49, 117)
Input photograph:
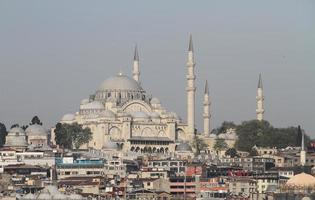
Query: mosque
point(122, 114)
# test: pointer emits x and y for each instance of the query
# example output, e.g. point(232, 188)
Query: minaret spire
point(206, 111)
point(191, 89)
point(260, 100)
point(260, 85)
point(303, 152)
point(136, 65)
point(191, 47)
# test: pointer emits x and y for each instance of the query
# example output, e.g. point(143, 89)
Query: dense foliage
point(36, 120)
point(71, 136)
point(3, 134)
point(222, 129)
point(199, 145)
point(262, 134)
point(231, 152)
point(220, 144)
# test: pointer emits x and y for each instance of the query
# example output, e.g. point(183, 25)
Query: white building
point(121, 111)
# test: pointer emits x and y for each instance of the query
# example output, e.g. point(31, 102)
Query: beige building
point(121, 111)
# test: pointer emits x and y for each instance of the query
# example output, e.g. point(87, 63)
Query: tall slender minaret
point(191, 88)
point(303, 152)
point(260, 100)
point(206, 111)
point(136, 66)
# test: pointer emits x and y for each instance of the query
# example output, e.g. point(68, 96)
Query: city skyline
point(51, 62)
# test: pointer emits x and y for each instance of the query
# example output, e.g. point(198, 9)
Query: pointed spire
point(206, 87)
point(260, 85)
point(303, 145)
point(136, 55)
point(190, 48)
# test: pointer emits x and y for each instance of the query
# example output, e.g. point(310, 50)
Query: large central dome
point(120, 82)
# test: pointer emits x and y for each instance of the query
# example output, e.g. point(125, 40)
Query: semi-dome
point(183, 147)
point(84, 101)
point(301, 180)
point(35, 130)
point(155, 100)
point(107, 114)
point(154, 115)
point(139, 115)
point(120, 82)
point(93, 105)
point(68, 117)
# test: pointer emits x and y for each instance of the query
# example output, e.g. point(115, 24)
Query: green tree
point(71, 136)
point(36, 120)
point(262, 134)
point(199, 145)
point(3, 134)
point(220, 144)
point(253, 152)
point(15, 125)
point(231, 152)
point(224, 126)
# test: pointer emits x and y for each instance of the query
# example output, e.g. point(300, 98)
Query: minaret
point(191, 89)
point(260, 100)
point(136, 66)
point(303, 152)
point(206, 111)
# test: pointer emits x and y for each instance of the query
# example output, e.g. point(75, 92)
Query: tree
point(263, 134)
point(3, 134)
point(199, 145)
point(15, 126)
point(231, 152)
point(71, 136)
point(223, 128)
point(253, 152)
point(220, 144)
point(36, 120)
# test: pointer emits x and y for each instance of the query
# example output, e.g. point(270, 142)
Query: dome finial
point(260, 85)
point(206, 87)
point(190, 48)
point(136, 54)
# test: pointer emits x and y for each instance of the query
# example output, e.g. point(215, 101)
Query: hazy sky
point(55, 53)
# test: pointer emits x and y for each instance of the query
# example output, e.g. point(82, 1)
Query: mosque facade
point(122, 113)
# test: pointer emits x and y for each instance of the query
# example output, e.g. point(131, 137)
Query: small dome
point(110, 145)
point(35, 129)
point(16, 138)
point(141, 115)
point(93, 105)
point(75, 196)
point(183, 147)
point(111, 100)
point(107, 114)
point(155, 100)
point(155, 115)
point(68, 117)
point(174, 115)
point(84, 101)
point(30, 196)
point(44, 195)
point(60, 196)
point(302, 180)
point(52, 189)
point(120, 82)
point(18, 130)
